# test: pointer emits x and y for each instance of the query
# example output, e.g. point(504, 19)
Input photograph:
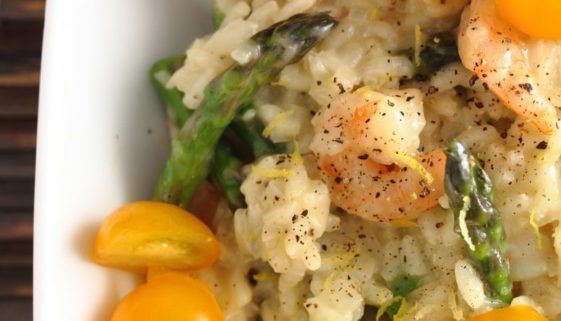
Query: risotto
point(375, 160)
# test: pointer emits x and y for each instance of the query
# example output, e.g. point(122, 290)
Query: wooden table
point(21, 30)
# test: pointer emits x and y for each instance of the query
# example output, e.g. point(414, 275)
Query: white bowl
point(102, 138)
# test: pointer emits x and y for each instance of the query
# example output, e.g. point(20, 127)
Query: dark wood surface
point(21, 31)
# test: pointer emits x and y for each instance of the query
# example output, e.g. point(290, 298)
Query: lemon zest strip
point(366, 92)
point(419, 42)
point(264, 276)
point(329, 280)
point(416, 166)
point(296, 157)
point(374, 14)
point(463, 225)
point(406, 310)
point(457, 312)
point(536, 228)
point(277, 120)
point(386, 305)
point(404, 223)
point(271, 172)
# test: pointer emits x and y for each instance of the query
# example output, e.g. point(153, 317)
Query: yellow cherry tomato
point(154, 234)
point(169, 296)
point(536, 18)
point(513, 313)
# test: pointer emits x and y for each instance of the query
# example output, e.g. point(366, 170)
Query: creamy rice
point(309, 260)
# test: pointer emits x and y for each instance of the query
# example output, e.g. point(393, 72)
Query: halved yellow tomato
point(513, 313)
point(536, 18)
point(171, 296)
point(154, 234)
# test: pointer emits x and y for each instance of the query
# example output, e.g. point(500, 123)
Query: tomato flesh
point(148, 234)
point(536, 18)
point(169, 296)
point(513, 313)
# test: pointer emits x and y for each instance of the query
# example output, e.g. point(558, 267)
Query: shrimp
point(522, 72)
point(365, 145)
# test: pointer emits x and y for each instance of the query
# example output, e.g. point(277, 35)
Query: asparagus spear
point(250, 131)
point(226, 172)
point(160, 73)
point(225, 165)
point(217, 18)
point(217, 15)
point(279, 45)
point(438, 51)
point(470, 192)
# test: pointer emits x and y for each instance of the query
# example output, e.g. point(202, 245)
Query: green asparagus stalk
point(217, 17)
point(440, 50)
point(470, 192)
point(192, 150)
point(160, 73)
point(226, 165)
point(250, 131)
point(226, 173)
